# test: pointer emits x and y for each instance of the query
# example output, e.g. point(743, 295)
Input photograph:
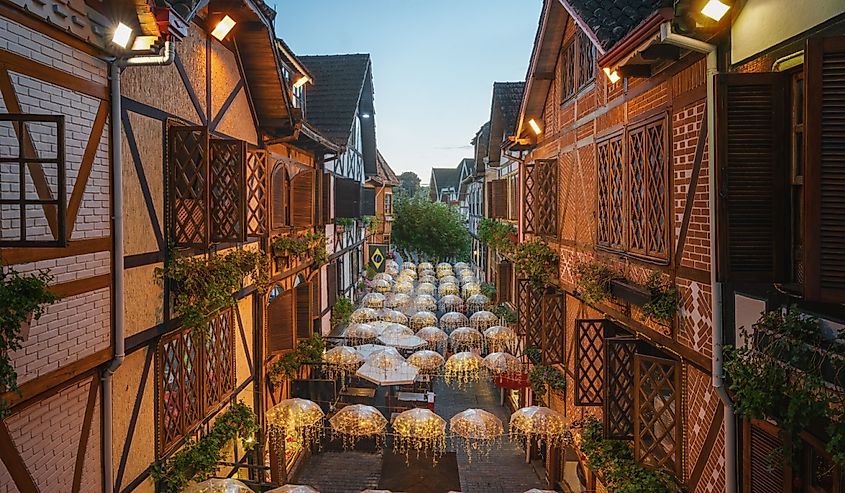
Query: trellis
point(219, 357)
point(589, 362)
point(540, 198)
point(554, 325)
point(619, 355)
point(227, 205)
point(530, 313)
point(647, 189)
point(610, 201)
point(188, 186)
point(257, 192)
point(657, 408)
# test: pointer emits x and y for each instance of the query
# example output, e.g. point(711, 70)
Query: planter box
point(630, 292)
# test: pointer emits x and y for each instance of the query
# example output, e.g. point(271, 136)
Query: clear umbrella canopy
point(298, 417)
point(343, 357)
point(422, 319)
point(453, 320)
point(402, 374)
point(425, 266)
point(441, 273)
point(477, 302)
point(483, 320)
point(425, 302)
point(395, 330)
point(403, 287)
point(427, 361)
point(380, 286)
point(444, 266)
point(385, 358)
point(363, 315)
point(447, 288)
point(449, 279)
point(409, 273)
point(478, 430)
point(540, 424)
point(466, 339)
point(394, 316)
point(409, 266)
point(425, 273)
point(461, 265)
point(502, 363)
point(359, 333)
point(429, 278)
point(357, 421)
point(373, 300)
point(419, 430)
point(383, 276)
point(470, 289)
point(432, 335)
point(398, 301)
point(425, 288)
point(403, 341)
point(294, 488)
point(463, 368)
point(452, 303)
point(500, 338)
point(218, 486)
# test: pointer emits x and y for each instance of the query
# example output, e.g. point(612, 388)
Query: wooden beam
point(133, 420)
point(85, 167)
point(14, 462)
point(13, 256)
point(142, 180)
point(80, 286)
point(186, 81)
point(691, 190)
point(707, 447)
point(86, 431)
point(37, 70)
point(226, 104)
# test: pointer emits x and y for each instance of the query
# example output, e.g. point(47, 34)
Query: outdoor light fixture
point(613, 77)
point(301, 81)
point(223, 27)
point(535, 127)
point(715, 9)
point(121, 36)
point(365, 115)
point(143, 43)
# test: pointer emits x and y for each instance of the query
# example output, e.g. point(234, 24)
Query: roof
point(334, 97)
point(384, 175)
point(507, 96)
point(445, 177)
point(611, 20)
point(481, 141)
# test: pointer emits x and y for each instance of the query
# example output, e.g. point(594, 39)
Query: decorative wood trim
point(704, 455)
point(50, 383)
point(243, 338)
point(133, 420)
point(693, 187)
point(54, 32)
point(14, 462)
point(85, 167)
point(142, 259)
point(144, 109)
point(37, 70)
point(696, 275)
point(142, 179)
point(13, 256)
point(186, 81)
point(80, 286)
point(86, 431)
point(226, 104)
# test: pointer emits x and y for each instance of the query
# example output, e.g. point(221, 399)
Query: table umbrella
point(402, 341)
point(403, 374)
point(367, 350)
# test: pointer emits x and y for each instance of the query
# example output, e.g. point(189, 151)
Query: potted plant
point(663, 300)
point(341, 223)
point(593, 280)
point(536, 261)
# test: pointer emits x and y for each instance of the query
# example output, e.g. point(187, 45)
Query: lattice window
point(589, 362)
point(529, 197)
point(586, 60)
point(257, 193)
point(546, 210)
point(657, 413)
point(530, 313)
point(568, 74)
point(32, 181)
point(279, 193)
point(611, 193)
point(188, 181)
point(228, 207)
point(195, 372)
point(554, 327)
point(648, 172)
point(619, 387)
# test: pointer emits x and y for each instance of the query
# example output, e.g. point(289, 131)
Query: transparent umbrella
point(363, 315)
point(477, 302)
point(453, 320)
point(373, 300)
point(357, 421)
point(294, 488)
point(218, 486)
point(419, 430)
point(466, 339)
point(478, 429)
point(422, 319)
point(451, 303)
point(483, 320)
point(540, 424)
point(427, 361)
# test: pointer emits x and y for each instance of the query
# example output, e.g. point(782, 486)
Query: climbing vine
point(542, 375)
point(536, 261)
point(297, 246)
point(664, 300)
point(198, 460)
point(307, 351)
point(497, 235)
point(592, 279)
point(341, 311)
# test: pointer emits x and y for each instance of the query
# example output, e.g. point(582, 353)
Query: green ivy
point(542, 375)
point(341, 311)
point(613, 461)
point(505, 312)
point(534, 355)
point(536, 261)
point(199, 460)
point(206, 285)
point(488, 290)
point(664, 300)
point(21, 296)
point(313, 244)
point(308, 351)
point(346, 222)
point(592, 279)
point(497, 235)
point(780, 375)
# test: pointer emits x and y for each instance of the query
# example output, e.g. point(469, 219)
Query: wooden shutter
point(545, 210)
point(619, 387)
point(227, 167)
point(529, 314)
point(331, 283)
point(610, 187)
point(488, 188)
point(347, 198)
point(762, 453)
point(589, 362)
point(504, 282)
point(368, 202)
point(280, 322)
point(220, 357)
point(649, 190)
point(824, 176)
point(278, 196)
point(658, 413)
point(189, 186)
point(326, 206)
point(513, 204)
point(302, 199)
point(529, 198)
point(554, 324)
point(751, 121)
point(303, 311)
point(257, 193)
point(500, 198)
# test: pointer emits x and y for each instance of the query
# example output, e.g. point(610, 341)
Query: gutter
point(166, 57)
point(669, 37)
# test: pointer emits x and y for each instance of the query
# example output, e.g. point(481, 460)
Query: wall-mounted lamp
point(122, 34)
point(301, 81)
point(365, 115)
point(613, 77)
point(223, 27)
point(715, 9)
point(535, 126)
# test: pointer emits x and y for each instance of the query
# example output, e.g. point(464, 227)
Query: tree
point(410, 183)
point(429, 229)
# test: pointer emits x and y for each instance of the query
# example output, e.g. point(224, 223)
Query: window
point(540, 197)
point(279, 190)
point(32, 180)
point(577, 65)
point(554, 323)
point(633, 191)
point(388, 203)
point(529, 313)
point(280, 320)
point(206, 188)
point(569, 74)
point(195, 373)
point(586, 60)
point(589, 366)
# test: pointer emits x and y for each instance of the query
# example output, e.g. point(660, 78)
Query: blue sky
point(434, 64)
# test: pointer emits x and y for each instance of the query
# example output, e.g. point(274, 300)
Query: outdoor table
point(424, 398)
point(359, 392)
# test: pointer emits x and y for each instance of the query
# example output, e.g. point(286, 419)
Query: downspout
point(669, 37)
point(118, 297)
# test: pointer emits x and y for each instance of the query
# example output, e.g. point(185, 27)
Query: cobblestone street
point(503, 471)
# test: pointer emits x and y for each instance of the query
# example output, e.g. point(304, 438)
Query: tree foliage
point(410, 183)
point(430, 229)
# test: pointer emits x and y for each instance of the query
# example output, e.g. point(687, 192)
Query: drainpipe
point(118, 297)
point(669, 37)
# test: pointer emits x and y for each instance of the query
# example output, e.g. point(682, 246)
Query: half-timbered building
point(443, 185)
point(382, 183)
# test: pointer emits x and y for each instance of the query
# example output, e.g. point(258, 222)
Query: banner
point(378, 254)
